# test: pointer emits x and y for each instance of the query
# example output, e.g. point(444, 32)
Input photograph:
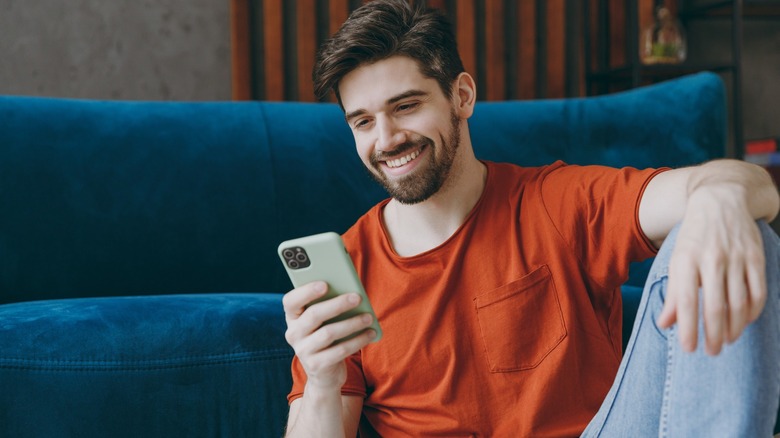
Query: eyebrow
point(406, 94)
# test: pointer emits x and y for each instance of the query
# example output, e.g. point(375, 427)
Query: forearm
point(318, 413)
point(719, 187)
point(737, 183)
point(323, 411)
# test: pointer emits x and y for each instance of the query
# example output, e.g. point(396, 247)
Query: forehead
point(373, 84)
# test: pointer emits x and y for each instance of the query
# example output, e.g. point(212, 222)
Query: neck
point(414, 229)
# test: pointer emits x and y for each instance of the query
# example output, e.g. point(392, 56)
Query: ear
point(464, 95)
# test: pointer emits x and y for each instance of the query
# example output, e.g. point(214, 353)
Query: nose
point(388, 134)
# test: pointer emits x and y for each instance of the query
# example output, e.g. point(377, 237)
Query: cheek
point(435, 126)
point(363, 148)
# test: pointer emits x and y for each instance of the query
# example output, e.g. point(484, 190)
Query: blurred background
point(206, 50)
point(524, 49)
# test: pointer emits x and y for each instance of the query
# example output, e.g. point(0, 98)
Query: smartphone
point(322, 257)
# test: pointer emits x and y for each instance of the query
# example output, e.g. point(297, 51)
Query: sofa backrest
point(114, 198)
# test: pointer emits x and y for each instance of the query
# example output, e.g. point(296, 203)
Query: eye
point(361, 123)
point(407, 106)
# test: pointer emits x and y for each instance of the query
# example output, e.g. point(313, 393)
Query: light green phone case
point(329, 262)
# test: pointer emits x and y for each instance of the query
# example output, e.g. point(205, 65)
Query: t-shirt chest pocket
point(521, 323)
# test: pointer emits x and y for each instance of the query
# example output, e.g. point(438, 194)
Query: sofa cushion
point(185, 365)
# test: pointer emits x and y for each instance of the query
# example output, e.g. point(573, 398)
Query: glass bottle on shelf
point(663, 42)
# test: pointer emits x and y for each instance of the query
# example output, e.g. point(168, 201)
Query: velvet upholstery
point(138, 269)
point(185, 365)
point(148, 197)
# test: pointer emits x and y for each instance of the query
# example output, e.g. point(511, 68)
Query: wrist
point(319, 413)
point(321, 392)
point(717, 195)
point(734, 184)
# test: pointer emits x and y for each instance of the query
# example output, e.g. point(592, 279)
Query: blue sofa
point(140, 291)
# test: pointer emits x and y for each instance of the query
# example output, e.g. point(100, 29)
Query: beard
point(421, 185)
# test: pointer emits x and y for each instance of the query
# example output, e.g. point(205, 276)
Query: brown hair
point(381, 29)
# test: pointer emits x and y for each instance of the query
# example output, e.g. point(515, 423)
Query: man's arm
point(323, 411)
point(718, 246)
point(316, 413)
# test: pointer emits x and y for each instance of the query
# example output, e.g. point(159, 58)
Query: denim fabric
point(661, 390)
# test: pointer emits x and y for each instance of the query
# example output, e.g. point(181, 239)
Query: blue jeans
point(660, 390)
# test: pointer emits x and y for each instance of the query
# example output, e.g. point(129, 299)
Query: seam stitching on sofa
point(177, 362)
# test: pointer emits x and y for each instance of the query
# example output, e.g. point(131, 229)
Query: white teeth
point(403, 160)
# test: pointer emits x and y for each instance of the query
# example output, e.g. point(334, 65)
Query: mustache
point(401, 150)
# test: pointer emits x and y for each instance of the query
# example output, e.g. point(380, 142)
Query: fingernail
point(366, 318)
point(371, 334)
point(321, 287)
point(353, 298)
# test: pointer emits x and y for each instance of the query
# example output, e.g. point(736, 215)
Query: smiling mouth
point(398, 162)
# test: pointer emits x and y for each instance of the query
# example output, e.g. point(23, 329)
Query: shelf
point(599, 45)
point(656, 72)
point(723, 9)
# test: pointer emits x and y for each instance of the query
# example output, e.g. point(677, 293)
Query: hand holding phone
point(322, 257)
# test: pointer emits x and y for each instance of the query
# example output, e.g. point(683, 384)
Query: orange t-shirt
point(512, 327)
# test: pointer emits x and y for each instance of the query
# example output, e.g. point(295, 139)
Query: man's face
point(406, 130)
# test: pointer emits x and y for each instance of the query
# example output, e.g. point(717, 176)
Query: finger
point(330, 333)
point(338, 352)
point(737, 304)
point(668, 315)
point(679, 276)
point(325, 336)
point(295, 301)
point(317, 314)
point(683, 295)
point(756, 282)
point(714, 305)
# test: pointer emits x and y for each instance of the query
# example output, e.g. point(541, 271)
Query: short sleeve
point(596, 211)
point(355, 384)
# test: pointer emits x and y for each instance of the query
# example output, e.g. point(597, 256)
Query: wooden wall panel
point(439, 4)
point(306, 43)
point(527, 54)
point(556, 48)
point(617, 33)
point(273, 51)
point(466, 35)
point(598, 17)
point(514, 49)
point(338, 11)
point(645, 11)
point(240, 46)
point(495, 57)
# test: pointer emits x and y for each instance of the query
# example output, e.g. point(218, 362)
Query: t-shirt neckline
point(447, 243)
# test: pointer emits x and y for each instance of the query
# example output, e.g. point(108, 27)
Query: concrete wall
point(116, 49)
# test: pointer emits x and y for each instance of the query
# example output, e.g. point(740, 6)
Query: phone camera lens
point(296, 257)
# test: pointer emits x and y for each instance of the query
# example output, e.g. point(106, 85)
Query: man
point(494, 283)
